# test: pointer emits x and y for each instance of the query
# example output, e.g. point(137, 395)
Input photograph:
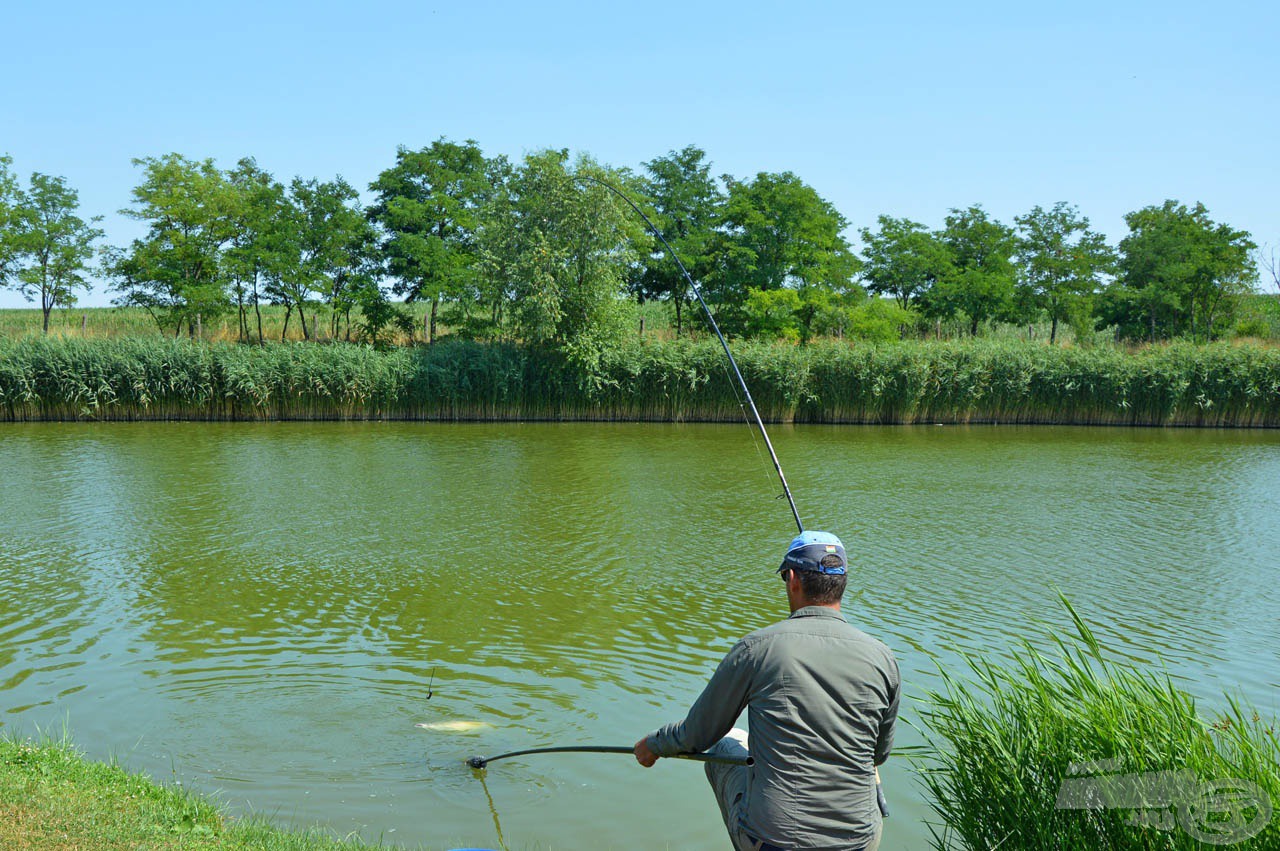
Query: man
point(822, 700)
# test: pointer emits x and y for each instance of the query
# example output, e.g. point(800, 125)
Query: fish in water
point(454, 726)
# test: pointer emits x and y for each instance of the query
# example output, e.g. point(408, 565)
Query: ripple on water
point(268, 608)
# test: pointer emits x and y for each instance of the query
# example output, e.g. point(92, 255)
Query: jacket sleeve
point(884, 740)
point(715, 710)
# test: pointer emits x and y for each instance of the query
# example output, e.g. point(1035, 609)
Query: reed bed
point(1143, 767)
point(66, 378)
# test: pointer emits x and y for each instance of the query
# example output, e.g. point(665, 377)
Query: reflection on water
point(261, 607)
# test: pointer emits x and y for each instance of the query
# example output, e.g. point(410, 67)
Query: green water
point(259, 610)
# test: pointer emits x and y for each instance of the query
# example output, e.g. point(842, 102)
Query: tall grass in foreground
point(52, 799)
point(1001, 745)
point(671, 380)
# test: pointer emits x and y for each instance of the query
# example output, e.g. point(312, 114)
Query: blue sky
point(905, 109)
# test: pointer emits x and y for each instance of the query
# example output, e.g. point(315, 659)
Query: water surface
point(268, 610)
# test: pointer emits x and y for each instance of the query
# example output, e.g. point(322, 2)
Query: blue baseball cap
point(809, 549)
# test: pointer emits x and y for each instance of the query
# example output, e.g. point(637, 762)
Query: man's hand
point(644, 754)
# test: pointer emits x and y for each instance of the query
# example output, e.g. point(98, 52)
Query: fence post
point(199, 328)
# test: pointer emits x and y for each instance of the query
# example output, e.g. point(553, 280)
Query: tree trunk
point(302, 317)
point(973, 327)
point(257, 308)
point(431, 335)
point(288, 311)
point(1053, 330)
point(679, 301)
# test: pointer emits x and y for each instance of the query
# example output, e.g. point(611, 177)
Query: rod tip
point(477, 762)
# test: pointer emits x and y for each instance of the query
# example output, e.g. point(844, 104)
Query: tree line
point(532, 250)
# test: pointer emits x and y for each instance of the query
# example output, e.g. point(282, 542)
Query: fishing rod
point(480, 762)
point(714, 327)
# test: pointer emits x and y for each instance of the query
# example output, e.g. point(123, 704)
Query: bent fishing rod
point(479, 762)
point(697, 291)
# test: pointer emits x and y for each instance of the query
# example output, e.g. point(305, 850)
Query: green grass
point(52, 799)
point(1002, 740)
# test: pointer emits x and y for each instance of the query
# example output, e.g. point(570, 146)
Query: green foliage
point(325, 249)
point(1180, 273)
point(1003, 741)
point(563, 248)
point(688, 209)
point(430, 206)
point(258, 249)
point(379, 318)
point(1258, 315)
point(49, 244)
point(980, 279)
point(1062, 263)
point(773, 314)
point(879, 320)
point(8, 212)
point(779, 232)
point(638, 379)
point(903, 259)
point(175, 271)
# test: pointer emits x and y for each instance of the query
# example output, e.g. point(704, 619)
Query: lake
point(267, 611)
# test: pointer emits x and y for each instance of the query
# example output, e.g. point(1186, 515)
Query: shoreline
point(53, 797)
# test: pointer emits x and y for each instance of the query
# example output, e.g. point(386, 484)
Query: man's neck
point(804, 604)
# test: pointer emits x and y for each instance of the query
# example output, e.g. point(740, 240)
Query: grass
point(52, 799)
point(63, 378)
point(113, 323)
point(1002, 742)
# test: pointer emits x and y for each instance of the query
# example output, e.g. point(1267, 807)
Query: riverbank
point(53, 799)
point(1180, 384)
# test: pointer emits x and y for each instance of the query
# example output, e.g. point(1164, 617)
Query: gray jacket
point(822, 699)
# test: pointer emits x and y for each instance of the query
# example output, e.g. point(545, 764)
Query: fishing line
point(697, 291)
point(493, 811)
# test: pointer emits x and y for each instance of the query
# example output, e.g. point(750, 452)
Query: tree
point(1180, 272)
point(688, 208)
point(8, 211)
point(779, 232)
point(903, 259)
point(429, 204)
point(51, 245)
point(562, 250)
point(773, 313)
point(1062, 262)
point(175, 271)
point(325, 249)
point(979, 281)
point(257, 239)
point(1269, 260)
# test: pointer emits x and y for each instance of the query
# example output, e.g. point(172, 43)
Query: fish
point(454, 726)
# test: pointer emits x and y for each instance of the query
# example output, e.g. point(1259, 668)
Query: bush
point(1039, 754)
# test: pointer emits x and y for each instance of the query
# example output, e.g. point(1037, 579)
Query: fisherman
point(821, 699)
